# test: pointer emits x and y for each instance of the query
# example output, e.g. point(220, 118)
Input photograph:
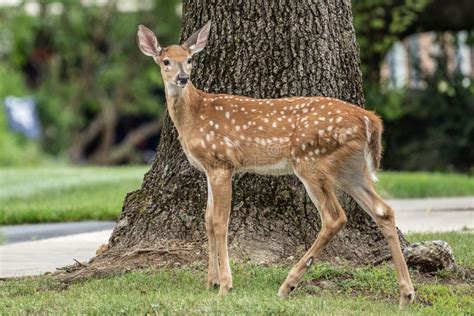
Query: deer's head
point(175, 61)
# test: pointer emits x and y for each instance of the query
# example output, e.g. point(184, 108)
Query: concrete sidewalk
point(37, 257)
point(434, 214)
point(433, 204)
point(31, 232)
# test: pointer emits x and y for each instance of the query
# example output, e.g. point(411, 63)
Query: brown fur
point(375, 143)
point(326, 142)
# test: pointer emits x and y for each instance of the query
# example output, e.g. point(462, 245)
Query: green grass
point(59, 194)
point(325, 290)
point(34, 195)
point(424, 184)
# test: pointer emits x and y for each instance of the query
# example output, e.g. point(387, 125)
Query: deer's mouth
point(181, 84)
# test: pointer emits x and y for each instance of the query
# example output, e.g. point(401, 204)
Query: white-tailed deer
point(325, 142)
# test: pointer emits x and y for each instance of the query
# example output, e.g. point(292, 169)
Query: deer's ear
point(196, 42)
point(147, 41)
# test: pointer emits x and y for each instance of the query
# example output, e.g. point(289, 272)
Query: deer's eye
point(190, 60)
point(166, 62)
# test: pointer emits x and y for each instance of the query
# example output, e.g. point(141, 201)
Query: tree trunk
point(263, 49)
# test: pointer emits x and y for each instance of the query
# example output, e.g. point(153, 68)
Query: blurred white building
point(410, 59)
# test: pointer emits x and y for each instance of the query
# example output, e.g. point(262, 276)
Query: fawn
point(325, 142)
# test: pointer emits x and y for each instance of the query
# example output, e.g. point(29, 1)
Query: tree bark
point(263, 49)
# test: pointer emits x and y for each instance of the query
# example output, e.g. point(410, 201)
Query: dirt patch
point(170, 254)
point(458, 275)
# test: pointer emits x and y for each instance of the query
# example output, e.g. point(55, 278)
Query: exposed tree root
point(171, 254)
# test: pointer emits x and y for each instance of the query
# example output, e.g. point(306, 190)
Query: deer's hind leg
point(355, 180)
point(320, 189)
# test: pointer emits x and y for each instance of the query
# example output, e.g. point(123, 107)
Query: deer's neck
point(182, 105)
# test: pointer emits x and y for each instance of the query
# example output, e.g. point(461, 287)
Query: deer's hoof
point(285, 291)
point(212, 284)
point(224, 289)
point(406, 299)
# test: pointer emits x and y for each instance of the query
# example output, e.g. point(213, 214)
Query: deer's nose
point(182, 79)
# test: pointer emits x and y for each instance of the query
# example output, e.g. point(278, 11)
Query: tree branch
point(132, 139)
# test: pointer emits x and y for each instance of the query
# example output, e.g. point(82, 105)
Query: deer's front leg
point(213, 267)
point(220, 181)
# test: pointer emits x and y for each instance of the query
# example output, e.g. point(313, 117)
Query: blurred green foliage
point(429, 128)
point(14, 149)
point(379, 24)
point(425, 129)
point(85, 70)
point(93, 86)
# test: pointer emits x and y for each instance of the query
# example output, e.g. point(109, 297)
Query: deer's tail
point(373, 152)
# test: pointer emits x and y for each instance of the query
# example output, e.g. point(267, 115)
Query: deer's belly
point(279, 168)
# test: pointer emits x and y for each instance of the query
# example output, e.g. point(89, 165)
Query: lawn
point(47, 194)
point(424, 184)
point(326, 290)
point(34, 195)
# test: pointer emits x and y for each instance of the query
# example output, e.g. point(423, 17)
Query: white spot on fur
point(380, 210)
point(228, 142)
